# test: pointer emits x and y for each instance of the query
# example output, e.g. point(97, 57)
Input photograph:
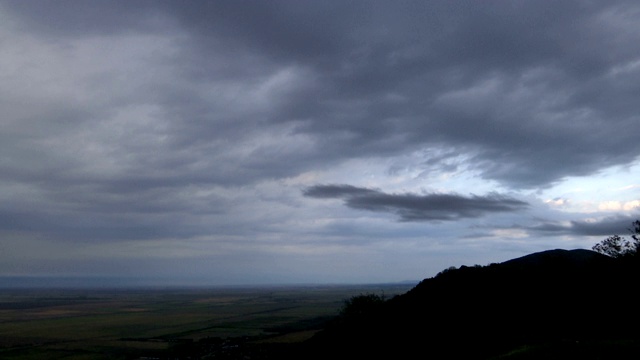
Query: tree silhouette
point(361, 305)
point(617, 246)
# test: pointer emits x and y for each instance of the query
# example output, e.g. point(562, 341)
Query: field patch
point(135, 323)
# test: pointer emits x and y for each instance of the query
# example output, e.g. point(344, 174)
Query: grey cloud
point(414, 207)
point(336, 191)
point(80, 214)
point(606, 226)
point(532, 91)
point(527, 93)
point(86, 18)
point(526, 89)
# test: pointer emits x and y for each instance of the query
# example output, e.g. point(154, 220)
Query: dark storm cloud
point(532, 91)
point(414, 207)
point(336, 191)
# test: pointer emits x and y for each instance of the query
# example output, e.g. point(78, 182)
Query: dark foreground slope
point(550, 300)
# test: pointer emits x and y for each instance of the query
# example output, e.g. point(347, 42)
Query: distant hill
point(551, 304)
point(576, 259)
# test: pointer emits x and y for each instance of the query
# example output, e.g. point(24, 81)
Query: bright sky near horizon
point(255, 142)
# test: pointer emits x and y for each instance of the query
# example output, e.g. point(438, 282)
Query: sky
point(281, 142)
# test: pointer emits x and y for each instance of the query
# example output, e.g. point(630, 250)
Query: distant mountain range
point(552, 304)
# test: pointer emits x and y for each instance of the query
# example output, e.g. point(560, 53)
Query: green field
point(158, 323)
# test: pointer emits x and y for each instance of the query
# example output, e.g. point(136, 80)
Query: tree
point(617, 246)
point(361, 305)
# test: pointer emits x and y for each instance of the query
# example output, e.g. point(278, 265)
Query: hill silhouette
point(551, 304)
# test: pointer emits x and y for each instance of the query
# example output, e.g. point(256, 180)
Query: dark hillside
point(578, 257)
point(552, 297)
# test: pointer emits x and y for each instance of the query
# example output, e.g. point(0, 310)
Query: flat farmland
point(162, 323)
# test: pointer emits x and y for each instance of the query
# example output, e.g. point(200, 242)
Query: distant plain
point(153, 322)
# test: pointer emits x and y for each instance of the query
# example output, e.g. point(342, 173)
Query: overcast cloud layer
point(225, 142)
